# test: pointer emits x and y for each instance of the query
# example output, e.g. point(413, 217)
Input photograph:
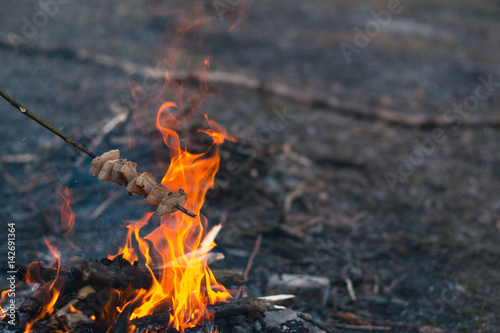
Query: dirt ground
point(408, 213)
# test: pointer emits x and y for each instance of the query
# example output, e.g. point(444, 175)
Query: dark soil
point(410, 215)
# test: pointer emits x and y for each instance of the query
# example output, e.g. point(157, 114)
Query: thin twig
point(254, 254)
point(350, 288)
point(250, 262)
point(45, 124)
point(184, 210)
point(63, 136)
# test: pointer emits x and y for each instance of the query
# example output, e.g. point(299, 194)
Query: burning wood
point(42, 296)
point(253, 308)
point(118, 274)
point(109, 166)
point(80, 301)
point(68, 316)
point(121, 274)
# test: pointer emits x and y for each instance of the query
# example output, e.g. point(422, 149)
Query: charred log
point(35, 272)
point(119, 275)
point(253, 307)
point(42, 296)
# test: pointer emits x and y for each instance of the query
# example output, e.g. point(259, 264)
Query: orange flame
point(72, 309)
point(3, 312)
point(54, 289)
point(67, 215)
point(178, 248)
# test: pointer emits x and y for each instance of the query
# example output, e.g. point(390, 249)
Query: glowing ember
point(3, 312)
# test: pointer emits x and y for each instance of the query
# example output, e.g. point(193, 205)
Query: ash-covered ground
point(409, 214)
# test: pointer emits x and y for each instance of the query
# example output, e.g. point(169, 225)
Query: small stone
point(304, 287)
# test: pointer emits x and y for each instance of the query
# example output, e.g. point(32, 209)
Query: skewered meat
point(98, 162)
point(109, 166)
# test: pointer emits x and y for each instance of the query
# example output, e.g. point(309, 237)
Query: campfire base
point(240, 316)
point(94, 289)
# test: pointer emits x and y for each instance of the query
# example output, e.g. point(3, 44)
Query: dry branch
point(252, 83)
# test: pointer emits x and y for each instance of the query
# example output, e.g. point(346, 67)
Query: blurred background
point(367, 141)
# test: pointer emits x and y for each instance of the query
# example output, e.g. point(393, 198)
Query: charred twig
point(247, 306)
point(228, 277)
point(254, 254)
point(65, 137)
point(250, 262)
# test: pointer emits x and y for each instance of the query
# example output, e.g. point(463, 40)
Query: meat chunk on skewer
point(109, 166)
point(168, 203)
point(98, 162)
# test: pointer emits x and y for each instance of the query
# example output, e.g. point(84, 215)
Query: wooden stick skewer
point(63, 136)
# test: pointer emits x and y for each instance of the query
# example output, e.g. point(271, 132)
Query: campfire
point(159, 280)
point(164, 282)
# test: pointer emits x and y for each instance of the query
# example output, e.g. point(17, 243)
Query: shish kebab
point(109, 166)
